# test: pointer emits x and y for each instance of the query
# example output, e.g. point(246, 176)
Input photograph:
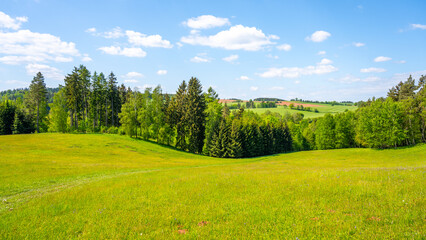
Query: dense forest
point(195, 121)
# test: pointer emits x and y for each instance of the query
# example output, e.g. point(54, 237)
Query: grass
point(324, 109)
point(62, 186)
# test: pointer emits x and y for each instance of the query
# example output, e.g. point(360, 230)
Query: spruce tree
point(37, 95)
point(195, 116)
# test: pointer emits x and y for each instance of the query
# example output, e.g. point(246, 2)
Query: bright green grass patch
point(150, 191)
point(324, 109)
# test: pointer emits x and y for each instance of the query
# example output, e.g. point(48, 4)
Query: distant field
point(322, 110)
point(61, 186)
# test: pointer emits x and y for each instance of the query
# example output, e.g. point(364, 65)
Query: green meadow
point(93, 186)
point(322, 110)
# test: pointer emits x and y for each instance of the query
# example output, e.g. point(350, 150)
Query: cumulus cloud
point(13, 23)
point(26, 46)
point(46, 70)
point(86, 58)
point(140, 39)
point(162, 72)
point(206, 21)
point(91, 30)
point(230, 58)
point(254, 88)
point(295, 72)
point(325, 61)
point(133, 75)
point(237, 37)
point(321, 52)
point(198, 59)
point(382, 59)
point(285, 47)
point(15, 60)
point(372, 70)
point(358, 44)
point(244, 78)
point(418, 26)
point(318, 36)
point(128, 52)
point(116, 32)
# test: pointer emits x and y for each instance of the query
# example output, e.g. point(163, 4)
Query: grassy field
point(61, 186)
point(324, 109)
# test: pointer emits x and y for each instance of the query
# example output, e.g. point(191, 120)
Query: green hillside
point(62, 186)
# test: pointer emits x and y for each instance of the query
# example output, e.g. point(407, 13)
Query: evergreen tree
point(195, 118)
point(37, 96)
point(178, 116)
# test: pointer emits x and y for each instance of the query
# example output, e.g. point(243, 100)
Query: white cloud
point(139, 39)
point(244, 78)
point(254, 88)
point(325, 61)
point(230, 58)
point(114, 33)
point(285, 47)
point(321, 52)
point(47, 71)
point(382, 59)
point(128, 52)
point(418, 26)
point(372, 70)
point(206, 21)
point(401, 61)
point(318, 36)
point(358, 44)
point(296, 82)
point(86, 58)
point(236, 38)
point(26, 46)
point(15, 60)
point(131, 81)
point(133, 75)
point(198, 59)
point(8, 22)
point(162, 72)
point(295, 72)
point(91, 30)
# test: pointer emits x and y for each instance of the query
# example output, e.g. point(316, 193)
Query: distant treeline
point(194, 121)
point(251, 104)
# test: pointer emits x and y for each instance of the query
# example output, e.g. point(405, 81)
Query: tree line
point(194, 121)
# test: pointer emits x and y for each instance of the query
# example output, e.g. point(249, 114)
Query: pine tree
point(195, 116)
point(37, 95)
point(178, 115)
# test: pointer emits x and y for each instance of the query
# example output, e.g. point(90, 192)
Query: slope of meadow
point(64, 186)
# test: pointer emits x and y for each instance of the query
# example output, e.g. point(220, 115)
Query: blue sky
point(318, 50)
